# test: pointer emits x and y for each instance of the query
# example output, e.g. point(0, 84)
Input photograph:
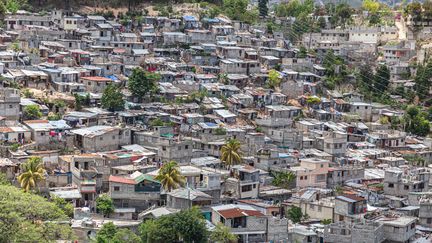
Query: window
point(305, 177)
point(186, 146)
point(42, 134)
point(254, 186)
point(301, 177)
point(429, 220)
point(113, 137)
point(116, 188)
point(391, 185)
point(163, 148)
point(311, 206)
point(406, 187)
point(179, 148)
point(100, 138)
point(246, 188)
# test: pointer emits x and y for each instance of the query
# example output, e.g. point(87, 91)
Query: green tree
point(371, 6)
point(237, 10)
point(187, 225)
point(365, 79)
point(422, 80)
point(4, 180)
point(78, 102)
point(274, 79)
point(302, 52)
point(338, 190)
point(294, 8)
point(125, 236)
point(157, 122)
point(104, 204)
point(191, 226)
point(322, 22)
point(32, 172)
point(382, 79)
point(416, 121)
point(106, 233)
point(66, 207)
point(263, 9)
point(222, 234)
point(142, 83)
point(326, 221)
point(414, 9)
point(27, 217)
point(54, 116)
point(343, 13)
point(112, 98)
point(32, 112)
point(295, 214)
point(170, 177)
point(283, 179)
point(158, 230)
point(231, 153)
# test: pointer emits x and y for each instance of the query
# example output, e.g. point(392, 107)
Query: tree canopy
point(26, 217)
point(32, 112)
point(188, 225)
point(104, 204)
point(142, 83)
point(112, 98)
point(237, 10)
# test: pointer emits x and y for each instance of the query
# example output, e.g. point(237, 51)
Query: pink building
point(312, 172)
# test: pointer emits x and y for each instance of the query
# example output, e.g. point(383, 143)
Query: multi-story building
point(361, 232)
point(244, 184)
point(139, 191)
point(312, 172)
point(10, 103)
point(349, 208)
point(398, 182)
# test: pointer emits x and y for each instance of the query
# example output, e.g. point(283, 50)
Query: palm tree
point(32, 172)
point(170, 177)
point(230, 153)
point(283, 179)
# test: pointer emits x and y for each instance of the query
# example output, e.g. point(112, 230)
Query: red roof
point(237, 212)
point(97, 79)
point(122, 180)
point(36, 121)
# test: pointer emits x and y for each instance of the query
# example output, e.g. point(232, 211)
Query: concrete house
point(311, 172)
point(363, 110)
point(185, 198)
point(399, 229)
point(88, 174)
point(282, 111)
point(137, 190)
point(95, 84)
point(48, 133)
point(362, 232)
point(243, 220)
point(10, 103)
point(168, 147)
point(101, 138)
point(244, 184)
point(399, 182)
point(349, 208)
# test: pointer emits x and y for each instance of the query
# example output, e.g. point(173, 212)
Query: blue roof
point(189, 18)
point(283, 155)
point(211, 124)
point(210, 20)
point(112, 77)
